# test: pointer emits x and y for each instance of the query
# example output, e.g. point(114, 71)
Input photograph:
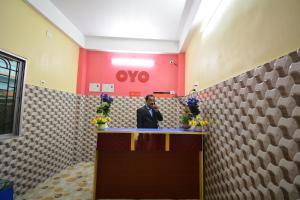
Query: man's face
point(151, 101)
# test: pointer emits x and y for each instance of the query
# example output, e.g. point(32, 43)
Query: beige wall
point(50, 59)
point(242, 35)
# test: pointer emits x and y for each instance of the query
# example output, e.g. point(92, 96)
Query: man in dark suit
point(149, 115)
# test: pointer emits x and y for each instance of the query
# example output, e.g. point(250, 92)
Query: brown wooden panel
point(150, 142)
point(186, 143)
point(155, 175)
point(114, 142)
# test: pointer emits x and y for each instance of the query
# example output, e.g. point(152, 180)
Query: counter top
point(152, 131)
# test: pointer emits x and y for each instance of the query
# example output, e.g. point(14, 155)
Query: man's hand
point(155, 107)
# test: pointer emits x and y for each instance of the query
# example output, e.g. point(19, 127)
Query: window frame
point(19, 100)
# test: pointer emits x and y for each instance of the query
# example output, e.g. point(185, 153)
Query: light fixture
point(133, 62)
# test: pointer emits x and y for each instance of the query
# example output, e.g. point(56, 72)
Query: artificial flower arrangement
point(193, 105)
point(190, 111)
point(105, 104)
point(186, 117)
point(191, 115)
point(101, 120)
point(102, 117)
point(198, 122)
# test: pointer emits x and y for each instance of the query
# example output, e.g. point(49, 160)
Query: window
point(11, 88)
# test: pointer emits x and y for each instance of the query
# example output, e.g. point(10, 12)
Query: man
point(149, 115)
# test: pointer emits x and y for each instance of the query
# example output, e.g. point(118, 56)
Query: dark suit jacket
point(145, 120)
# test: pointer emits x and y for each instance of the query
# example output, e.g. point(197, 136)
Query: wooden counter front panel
point(150, 175)
point(148, 142)
point(186, 143)
point(114, 142)
point(148, 172)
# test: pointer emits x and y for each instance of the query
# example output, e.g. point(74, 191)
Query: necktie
point(151, 112)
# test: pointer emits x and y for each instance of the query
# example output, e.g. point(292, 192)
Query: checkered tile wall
point(47, 140)
point(252, 151)
point(124, 111)
point(123, 114)
point(56, 132)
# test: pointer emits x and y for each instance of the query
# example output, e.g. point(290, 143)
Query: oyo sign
point(123, 75)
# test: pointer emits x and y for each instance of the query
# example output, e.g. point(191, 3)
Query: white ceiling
point(143, 19)
point(152, 26)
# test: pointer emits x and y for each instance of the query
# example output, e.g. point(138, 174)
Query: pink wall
point(96, 67)
point(81, 75)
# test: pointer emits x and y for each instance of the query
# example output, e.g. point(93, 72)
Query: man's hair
point(148, 96)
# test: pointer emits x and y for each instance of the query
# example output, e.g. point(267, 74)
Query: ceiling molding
point(190, 12)
point(131, 45)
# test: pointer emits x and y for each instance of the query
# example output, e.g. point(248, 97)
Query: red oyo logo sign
point(123, 75)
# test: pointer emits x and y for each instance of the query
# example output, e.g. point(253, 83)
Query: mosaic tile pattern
point(123, 114)
point(56, 133)
point(46, 142)
point(85, 132)
point(73, 183)
point(124, 111)
point(252, 151)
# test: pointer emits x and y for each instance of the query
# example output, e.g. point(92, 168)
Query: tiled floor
point(74, 183)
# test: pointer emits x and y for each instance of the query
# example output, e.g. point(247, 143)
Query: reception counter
point(149, 164)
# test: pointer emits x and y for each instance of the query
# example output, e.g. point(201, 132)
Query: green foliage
point(104, 108)
point(186, 116)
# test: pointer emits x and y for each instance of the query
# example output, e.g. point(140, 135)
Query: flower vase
point(185, 126)
point(102, 126)
point(198, 128)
